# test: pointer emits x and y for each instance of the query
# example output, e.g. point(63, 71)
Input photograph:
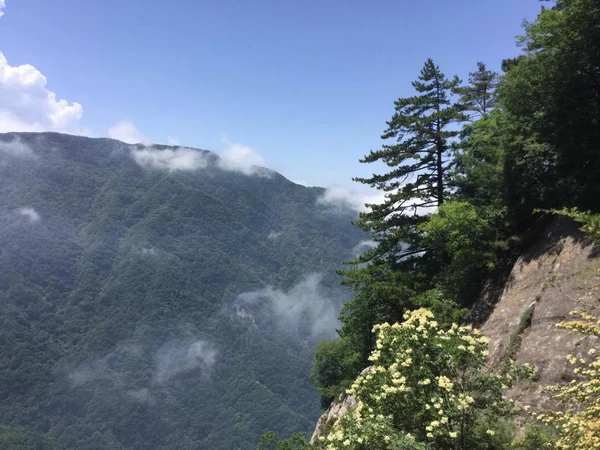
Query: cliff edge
point(559, 272)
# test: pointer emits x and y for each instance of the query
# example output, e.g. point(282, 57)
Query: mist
point(106, 369)
point(241, 158)
point(305, 304)
point(363, 246)
point(179, 158)
point(152, 367)
point(234, 158)
point(16, 148)
point(180, 357)
point(341, 199)
point(29, 213)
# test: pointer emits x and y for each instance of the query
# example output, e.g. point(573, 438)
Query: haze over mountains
point(156, 297)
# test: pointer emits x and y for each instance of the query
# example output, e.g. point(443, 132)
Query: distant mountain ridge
point(152, 297)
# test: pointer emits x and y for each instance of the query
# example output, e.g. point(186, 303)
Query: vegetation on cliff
point(528, 141)
point(460, 205)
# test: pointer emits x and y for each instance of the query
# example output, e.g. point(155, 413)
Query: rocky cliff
point(336, 410)
point(557, 274)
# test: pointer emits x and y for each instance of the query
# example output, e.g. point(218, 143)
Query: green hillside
point(150, 299)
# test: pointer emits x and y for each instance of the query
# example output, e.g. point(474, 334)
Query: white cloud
point(363, 246)
point(181, 158)
point(301, 183)
point(342, 198)
point(16, 148)
point(172, 359)
point(172, 140)
point(105, 369)
point(241, 158)
point(128, 133)
point(141, 395)
point(30, 213)
point(27, 105)
point(235, 157)
point(274, 235)
point(303, 305)
point(177, 358)
point(2, 6)
point(145, 251)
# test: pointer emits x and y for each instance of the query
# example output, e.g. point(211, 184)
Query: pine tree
point(478, 159)
point(480, 95)
point(419, 162)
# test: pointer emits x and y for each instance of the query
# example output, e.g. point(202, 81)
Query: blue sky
point(308, 85)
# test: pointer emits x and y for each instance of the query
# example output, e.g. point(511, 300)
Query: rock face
point(336, 410)
point(557, 274)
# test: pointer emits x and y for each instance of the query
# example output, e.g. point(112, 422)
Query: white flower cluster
point(417, 386)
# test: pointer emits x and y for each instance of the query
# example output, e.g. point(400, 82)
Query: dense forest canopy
point(150, 298)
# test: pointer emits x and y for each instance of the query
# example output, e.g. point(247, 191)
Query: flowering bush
point(578, 420)
point(427, 388)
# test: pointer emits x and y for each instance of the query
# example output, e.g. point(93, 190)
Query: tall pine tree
point(419, 158)
point(478, 159)
point(479, 96)
point(421, 131)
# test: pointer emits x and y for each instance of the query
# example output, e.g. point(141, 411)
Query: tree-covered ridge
point(144, 295)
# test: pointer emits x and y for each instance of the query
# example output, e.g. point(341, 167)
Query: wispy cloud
point(27, 104)
point(30, 213)
point(235, 158)
point(274, 235)
point(148, 251)
point(174, 358)
point(128, 133)
point(363, 246)
point(16, 148)
point(241, 158)
point(301, 183)
point(342, 198)
point(177, 358)
point(144, 250)
point(304, 305)
point(141, 395)
point(172, 140)
point(2, 6)
point(107, 368)
point(180, 158)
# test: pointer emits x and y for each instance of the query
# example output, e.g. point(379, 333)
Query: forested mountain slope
point(152, 298)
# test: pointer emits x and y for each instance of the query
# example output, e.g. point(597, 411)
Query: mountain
point(158, 298)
